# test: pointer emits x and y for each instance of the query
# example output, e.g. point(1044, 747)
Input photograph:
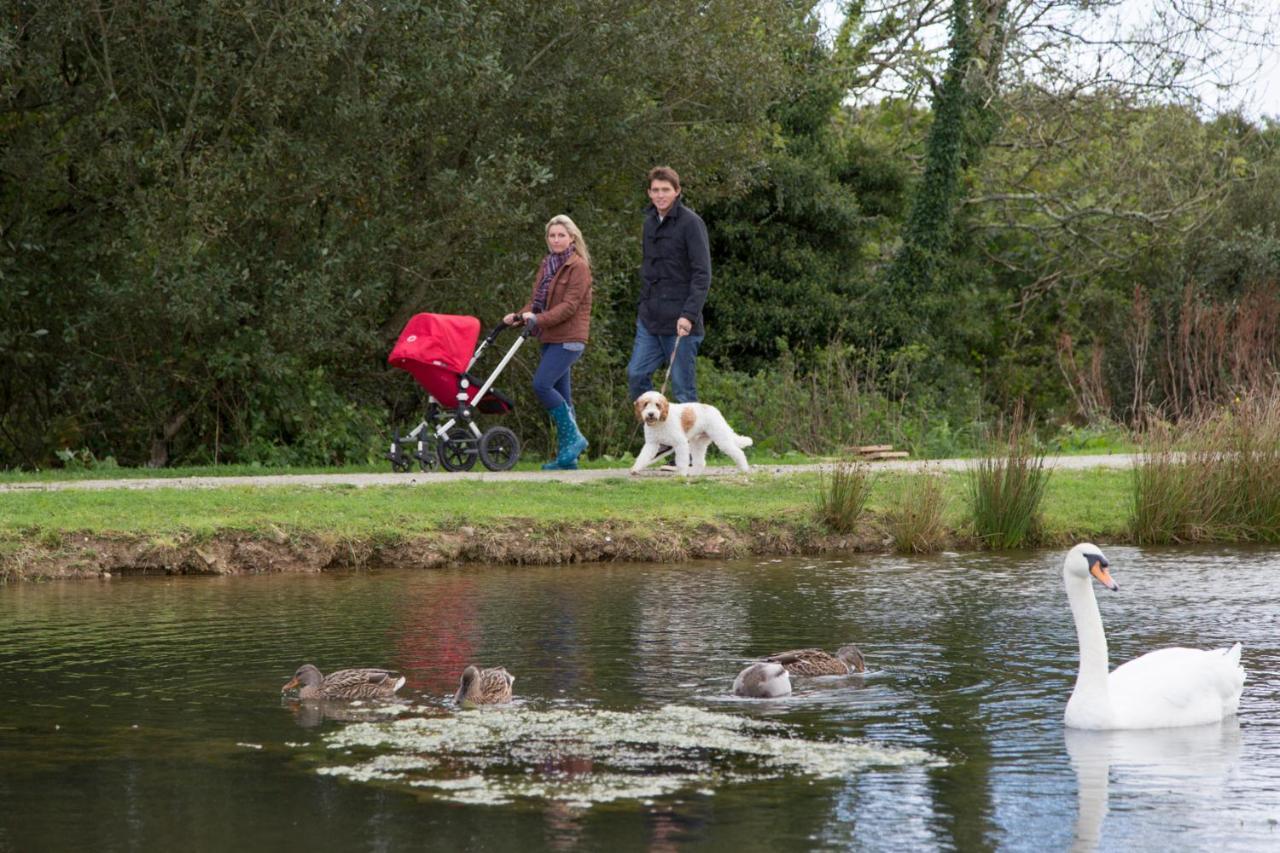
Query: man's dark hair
point(664, 173)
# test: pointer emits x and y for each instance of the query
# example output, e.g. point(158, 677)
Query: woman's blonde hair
point(579, 242)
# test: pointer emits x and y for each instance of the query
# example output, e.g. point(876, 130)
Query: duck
point(810, 662)
point(763, 680)
point(1165, 688)
point(479, 686)
point(345, 684)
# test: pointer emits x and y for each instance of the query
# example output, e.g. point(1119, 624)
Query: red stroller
point(439, 350)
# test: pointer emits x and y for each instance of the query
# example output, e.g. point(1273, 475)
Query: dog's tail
point(743, 440)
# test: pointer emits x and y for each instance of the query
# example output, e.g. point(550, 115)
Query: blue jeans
point(551, 379)
point(653, 351)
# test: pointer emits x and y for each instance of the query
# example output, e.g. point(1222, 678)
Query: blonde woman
point(559, 316)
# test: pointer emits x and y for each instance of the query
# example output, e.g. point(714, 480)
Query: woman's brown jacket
point(567, 317)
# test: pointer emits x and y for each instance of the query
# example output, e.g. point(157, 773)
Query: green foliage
point(1218, 479)
point(1006, 488)
point(842, 495)
point(913, 302)
point(915, 516)
point(789, 252)
point(215, 219)
point(202, 205)
point(84, 460)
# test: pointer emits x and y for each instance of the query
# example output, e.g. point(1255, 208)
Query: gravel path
point(1118, 460)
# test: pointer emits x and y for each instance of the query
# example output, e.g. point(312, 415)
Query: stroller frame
point(450, 435)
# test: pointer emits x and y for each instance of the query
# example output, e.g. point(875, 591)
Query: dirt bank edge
point(72, 556)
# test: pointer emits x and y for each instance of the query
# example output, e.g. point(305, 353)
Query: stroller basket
point(439, 351)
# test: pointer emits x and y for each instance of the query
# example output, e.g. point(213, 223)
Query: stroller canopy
point(443, 340)
point(437, 349)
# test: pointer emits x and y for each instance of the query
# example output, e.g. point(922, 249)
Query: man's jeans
point(651, 352)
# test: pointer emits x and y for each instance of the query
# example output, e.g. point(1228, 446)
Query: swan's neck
point(1092, 678)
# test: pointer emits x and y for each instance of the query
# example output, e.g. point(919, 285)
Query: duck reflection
point(310, 713)
point(1188, 765)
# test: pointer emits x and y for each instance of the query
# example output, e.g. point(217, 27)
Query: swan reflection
point(1187, 767)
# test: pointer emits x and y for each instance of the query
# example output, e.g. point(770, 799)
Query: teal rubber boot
point(570, 440)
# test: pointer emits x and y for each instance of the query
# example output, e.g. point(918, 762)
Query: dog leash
point(670, 364)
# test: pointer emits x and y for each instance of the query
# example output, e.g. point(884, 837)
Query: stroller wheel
point(457, 451)
point(399, 459)
point(499, 449)
point(426, 455)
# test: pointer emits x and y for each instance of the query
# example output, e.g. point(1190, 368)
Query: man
point(675, 275)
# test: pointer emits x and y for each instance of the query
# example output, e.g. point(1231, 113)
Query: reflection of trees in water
point(564, 825)
point(687, 623)
point(436, 631)
point(967, 629)
point(560, 651)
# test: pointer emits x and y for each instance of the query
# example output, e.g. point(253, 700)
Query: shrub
point(915, 516)
point(1006, 487)
point(842, 495)
point(1215, 479)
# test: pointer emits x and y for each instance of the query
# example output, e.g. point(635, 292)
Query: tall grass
point(842, 495)
point(1213, 480)
point(1006, 488)
point(914, 518)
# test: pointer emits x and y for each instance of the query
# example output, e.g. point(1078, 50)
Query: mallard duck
point(484, 686)
point(1159, 690)
point(846, 661)
point(345, 684)
point(764, 680)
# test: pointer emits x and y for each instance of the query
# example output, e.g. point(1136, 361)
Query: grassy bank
point(83, 533)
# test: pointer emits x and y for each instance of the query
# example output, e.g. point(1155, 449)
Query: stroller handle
point(497, 330)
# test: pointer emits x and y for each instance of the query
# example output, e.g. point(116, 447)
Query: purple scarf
point(550, 266)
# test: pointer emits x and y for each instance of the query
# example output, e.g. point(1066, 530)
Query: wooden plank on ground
point(888, 454)
point(874, 448)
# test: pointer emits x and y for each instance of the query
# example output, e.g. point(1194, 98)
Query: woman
point(559, 315)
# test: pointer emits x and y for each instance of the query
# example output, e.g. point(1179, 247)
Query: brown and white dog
point(689, 429)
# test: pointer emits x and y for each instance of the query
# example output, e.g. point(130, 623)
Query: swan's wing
point(1177, 686)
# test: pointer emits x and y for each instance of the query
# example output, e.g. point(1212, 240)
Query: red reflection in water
point(436, 634)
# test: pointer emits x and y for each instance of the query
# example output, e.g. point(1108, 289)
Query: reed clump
point(1215, 479)
point(914, 518)
point(1006, 489)
point(842, 495)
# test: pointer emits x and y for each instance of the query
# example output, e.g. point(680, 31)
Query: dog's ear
point(638, 405)
point(664, 408)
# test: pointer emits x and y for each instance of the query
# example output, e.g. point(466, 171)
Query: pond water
point(145, 713)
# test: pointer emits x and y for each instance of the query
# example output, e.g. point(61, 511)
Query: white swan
point(1161, 689)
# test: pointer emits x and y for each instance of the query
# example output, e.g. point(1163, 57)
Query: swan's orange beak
point(1099, 571)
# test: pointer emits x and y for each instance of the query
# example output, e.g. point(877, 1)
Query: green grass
point(1077, 504)
point(528, 462)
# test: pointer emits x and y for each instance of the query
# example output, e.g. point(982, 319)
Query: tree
point(216, 216)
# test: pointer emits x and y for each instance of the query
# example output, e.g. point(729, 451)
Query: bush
point(914, 518)
point(842, 495)
point(1006, 488)
point(1217, 479)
